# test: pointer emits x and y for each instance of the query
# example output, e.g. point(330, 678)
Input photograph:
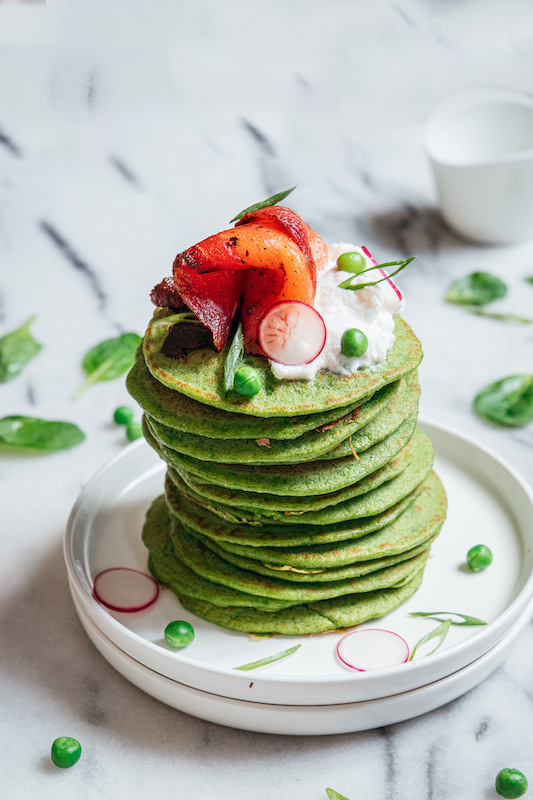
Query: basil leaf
point(16, 349)
point(402, 265)
point(481, 312)
point(32, 433)
point(439, 633)
point(333, 795)
point(269, 659)
point(109, 359)
point(508, 401)
point(438, 614)
point(270, 201)
point(476, 289)
point(234, 359)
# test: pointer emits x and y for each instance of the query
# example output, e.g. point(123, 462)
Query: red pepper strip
point(286, 274)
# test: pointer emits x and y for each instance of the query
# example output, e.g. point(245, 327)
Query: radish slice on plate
point(124, 589)
point(292, 332)
point(399, 296)
point(372, 648)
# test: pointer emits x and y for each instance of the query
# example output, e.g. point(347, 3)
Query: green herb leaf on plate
point(234, 359)
point(270, 201)
point(508, 401)
point(263, 662)
point(333, 795)
point(32, 433)
point(476, 289)
point(482, 312)
point(16, 349)
point(109, 359)
point(439, 633)
point(439, 614)
point(349, 284)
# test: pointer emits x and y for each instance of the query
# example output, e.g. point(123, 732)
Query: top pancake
point(200, 376)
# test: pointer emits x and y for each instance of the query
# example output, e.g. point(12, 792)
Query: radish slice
point(372, 648)
point(391, 282)
point(124, 589)
point(292, 332)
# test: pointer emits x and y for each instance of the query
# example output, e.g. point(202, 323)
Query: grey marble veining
point(139, 129)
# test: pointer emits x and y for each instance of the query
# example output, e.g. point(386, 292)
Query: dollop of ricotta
point(371, 310)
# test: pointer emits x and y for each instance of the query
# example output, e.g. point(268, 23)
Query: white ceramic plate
point(488, 503)
point(303, 720)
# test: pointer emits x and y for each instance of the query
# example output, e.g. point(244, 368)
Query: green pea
point(179, 633)
point(134, 430)
point(65, 752)
point(511, 783)
point(479, 557)
point(247, 381)
point(353, 343)
point(123, 415)
point(351, 262)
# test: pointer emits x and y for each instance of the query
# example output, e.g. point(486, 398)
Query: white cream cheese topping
point(371, 310)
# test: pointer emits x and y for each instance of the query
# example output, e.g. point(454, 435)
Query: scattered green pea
point(123, 415)
point(66, 752)
point(247, 381)
point(478, 557)
point(179, 633)
point(511, 783)
point(353, 343)
point(351, 262)
point(134, 430)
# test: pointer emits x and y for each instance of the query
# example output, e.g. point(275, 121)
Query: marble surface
point(128, 131)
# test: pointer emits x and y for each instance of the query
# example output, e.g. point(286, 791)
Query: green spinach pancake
point(292, 504)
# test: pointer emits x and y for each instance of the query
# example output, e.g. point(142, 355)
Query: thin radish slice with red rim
point(124, 589)
point(389, 281)
point(292, 332)
point(372, 648)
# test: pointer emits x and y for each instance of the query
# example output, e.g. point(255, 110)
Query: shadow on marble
point(413, 229)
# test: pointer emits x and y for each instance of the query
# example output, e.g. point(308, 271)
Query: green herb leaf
point(439, 633)
point(529, 279)
point(333, 795)
point(476, 289)
point(234, 359)
point(269, 659)
point(109, 359)
point(439, 614)
point(31, 433)
point(270, 201)
point(16, 349)
point(508, 401)
point(402, 265)
point(481, 312)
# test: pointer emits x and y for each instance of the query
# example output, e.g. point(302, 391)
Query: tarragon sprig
point(401, 264)
point(263, 662)
point(270, 201)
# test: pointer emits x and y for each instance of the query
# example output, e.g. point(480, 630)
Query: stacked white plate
point(311, 691)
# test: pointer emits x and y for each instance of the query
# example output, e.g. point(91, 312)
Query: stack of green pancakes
point(308, 507)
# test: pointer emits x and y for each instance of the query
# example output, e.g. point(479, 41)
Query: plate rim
point(367, 679)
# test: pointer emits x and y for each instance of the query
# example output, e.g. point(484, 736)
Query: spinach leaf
point(439, 633)
point(109, 359)
point(32, 433)
point(333, 795)
point(508, 401)
point(16, 349)
point(234, 359)
point(270, 201)
point(269, 659)
point(347, 284)
point(476, 289)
